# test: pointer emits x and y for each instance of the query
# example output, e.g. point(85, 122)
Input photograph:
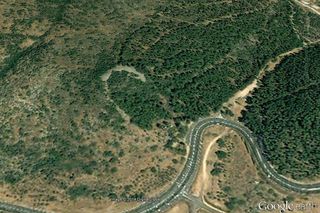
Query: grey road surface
point(183, 183)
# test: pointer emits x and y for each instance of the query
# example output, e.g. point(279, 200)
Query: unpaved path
point(201, 183)
point(205, 176)
point(237, 102)
point(120, 68)
point(314, 8)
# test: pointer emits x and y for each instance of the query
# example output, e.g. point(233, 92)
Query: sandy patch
point(204, 170)
point(237, 102)
point(181, 207)
point(120, 68)
point(309, 5)
point(26, 43)
point(202, 183)
point(128, 69)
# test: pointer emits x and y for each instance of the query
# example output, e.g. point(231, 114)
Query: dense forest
point(284, 112)
point(195, 63)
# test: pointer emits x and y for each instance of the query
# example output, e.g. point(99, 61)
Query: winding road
point(184, 181)
point(18, 209)
point(180, 188)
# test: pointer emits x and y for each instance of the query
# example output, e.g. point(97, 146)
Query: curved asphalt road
point(184, 181)
point(17, 209)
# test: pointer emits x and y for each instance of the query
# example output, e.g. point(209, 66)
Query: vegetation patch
point(284, 113)
point(195, 63)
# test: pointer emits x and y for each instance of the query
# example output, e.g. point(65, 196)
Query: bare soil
point(237, 102)
point(203, 180)
point(311, 5)
point(26, 43)
point(181, 207)
point(244, 181)
point(121, 68)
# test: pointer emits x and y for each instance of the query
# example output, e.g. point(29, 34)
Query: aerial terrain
point(143, 106)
